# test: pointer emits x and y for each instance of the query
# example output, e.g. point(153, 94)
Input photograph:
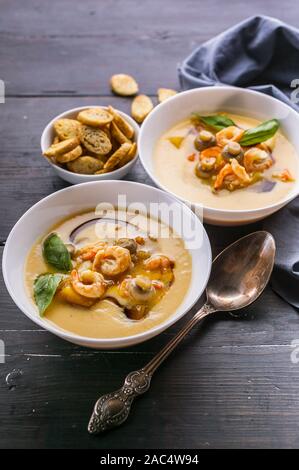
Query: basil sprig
point(45, 286)
point(262, 132)
point(56, 253)
point(217, 121)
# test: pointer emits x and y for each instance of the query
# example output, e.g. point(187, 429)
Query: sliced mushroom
point(141, 289)
point(128, 243)
point(204, 140)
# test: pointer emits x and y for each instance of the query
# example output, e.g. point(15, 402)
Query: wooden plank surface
point(232, 383)
point(73, 47)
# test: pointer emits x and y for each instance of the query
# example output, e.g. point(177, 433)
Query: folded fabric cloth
point(260, 53)
point(284, 226)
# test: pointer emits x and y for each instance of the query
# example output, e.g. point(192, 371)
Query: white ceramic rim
point(49, 127)
point(125, 340)
point(152, 175)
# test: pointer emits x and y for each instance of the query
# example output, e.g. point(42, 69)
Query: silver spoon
point(239, 275)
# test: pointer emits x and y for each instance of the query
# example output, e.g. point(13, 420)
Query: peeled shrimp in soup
point(112, 260)
point(229, 134)
point(158, 262)
point(257, 159)
point(88, 283)
point(212, 154)
point(234, 174)
point(88, 252)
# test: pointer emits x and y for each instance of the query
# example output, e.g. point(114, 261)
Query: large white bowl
point(75, 178)
point(211, 100)
point(43, 215)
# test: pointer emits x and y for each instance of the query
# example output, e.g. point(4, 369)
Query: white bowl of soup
point(233, 152)
point(107, 264)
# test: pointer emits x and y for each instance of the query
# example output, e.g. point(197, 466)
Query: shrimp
point(112, 260)
point(158, 262)
point(87, 253)
point(88, 283)
point(256, 159)
point(231, 133)
point(232, 175)
point(211, 160)
point(240, 171)
point(212, 155)
point(226, 171)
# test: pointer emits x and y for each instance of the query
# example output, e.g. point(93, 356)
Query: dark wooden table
point(232, 384)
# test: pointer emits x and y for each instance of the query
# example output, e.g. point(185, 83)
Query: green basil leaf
point(217, 122)
point(56, 253)
point(262, 132)
point(44, 289)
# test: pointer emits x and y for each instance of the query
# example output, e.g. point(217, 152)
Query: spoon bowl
point(241, 272)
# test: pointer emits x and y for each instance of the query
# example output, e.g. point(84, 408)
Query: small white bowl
point(75, 178)
point(38, 220)
point(210, 100)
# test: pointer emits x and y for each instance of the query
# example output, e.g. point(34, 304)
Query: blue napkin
point(284, 226)
point(260, 53)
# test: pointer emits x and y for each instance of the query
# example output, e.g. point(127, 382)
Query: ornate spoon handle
point(112, 409)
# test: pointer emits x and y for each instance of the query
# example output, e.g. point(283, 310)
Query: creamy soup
point(176, 160)
point(106, 317)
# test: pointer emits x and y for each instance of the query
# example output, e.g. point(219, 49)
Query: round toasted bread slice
point(121, 123)
point(95, 117)
point(165, 93)
point(118, 135)
point(124, 85)
point(142, 105)
point(85, 165)
point(129, 156)
point(70, 156)
point(62, 147)
point(117, 157)
point(95, 140)
point(66, 128)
